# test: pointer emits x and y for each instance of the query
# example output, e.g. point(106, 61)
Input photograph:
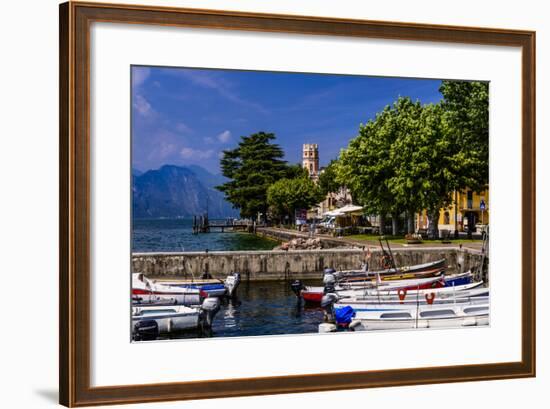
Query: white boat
point(209, 287)
point(413, 297)
point(445, 316)
point(152, 320)
point(169, 318)
point(147, 291)
point(412, 304)
point(400, 292)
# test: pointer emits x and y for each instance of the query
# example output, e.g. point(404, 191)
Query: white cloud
point(216, 82)
point(142, 106)
point(190, 153)
point(181, 127)
point(224, 136)
point(139, 75)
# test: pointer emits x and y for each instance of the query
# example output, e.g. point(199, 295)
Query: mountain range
point(178, 191)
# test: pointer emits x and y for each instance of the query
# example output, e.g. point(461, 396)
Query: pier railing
point(202, 224)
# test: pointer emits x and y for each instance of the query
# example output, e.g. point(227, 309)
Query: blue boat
point(461, 279)
point(210, 290)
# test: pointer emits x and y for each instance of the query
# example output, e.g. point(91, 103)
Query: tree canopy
point(254, 165)
point(287, 195)
point(412, 157)
point(328, 182)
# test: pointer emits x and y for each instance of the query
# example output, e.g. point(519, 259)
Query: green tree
point(466, 120)
point(412, 157)
point(423, 179)
point(365, 166)
point(296, 171)
point(328, 182)
point(287, 195)
point(254, 165)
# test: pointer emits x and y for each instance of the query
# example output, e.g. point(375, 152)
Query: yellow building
point(472, 209)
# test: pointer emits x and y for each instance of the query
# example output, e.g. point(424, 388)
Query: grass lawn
point(401, 239)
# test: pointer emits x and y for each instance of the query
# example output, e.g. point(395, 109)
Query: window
point(470, 199)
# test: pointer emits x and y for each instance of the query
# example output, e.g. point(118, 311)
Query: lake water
point(262, 308)
point(177, 235)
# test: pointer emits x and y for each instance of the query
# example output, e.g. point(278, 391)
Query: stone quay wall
point(289, 265)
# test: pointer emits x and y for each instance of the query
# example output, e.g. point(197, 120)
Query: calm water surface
point(177, 235)
point(262, 308)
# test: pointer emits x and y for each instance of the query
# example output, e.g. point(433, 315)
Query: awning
point(350, 209)
point(342, 211)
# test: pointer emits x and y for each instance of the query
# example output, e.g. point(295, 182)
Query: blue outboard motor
point(344, 315)
point(329, 270)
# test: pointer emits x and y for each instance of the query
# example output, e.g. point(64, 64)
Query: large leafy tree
point(412, 157)
point(466, 126)
point(365, 166)
point(423, 179)
point(296, 171)
point(287, 195)
point(404, 182)
point(254, 165)
point(466, 119)
point(328, 182)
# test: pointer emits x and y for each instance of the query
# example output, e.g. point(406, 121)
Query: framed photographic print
point(244, 197)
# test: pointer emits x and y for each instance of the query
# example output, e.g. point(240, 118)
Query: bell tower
point(310, 160)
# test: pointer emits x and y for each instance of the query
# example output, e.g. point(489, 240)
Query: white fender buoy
point(326, 327)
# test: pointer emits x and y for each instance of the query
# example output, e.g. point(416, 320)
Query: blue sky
point(184, 116)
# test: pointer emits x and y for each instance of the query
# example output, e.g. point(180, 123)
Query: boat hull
point(373, 325)
point(168, 319)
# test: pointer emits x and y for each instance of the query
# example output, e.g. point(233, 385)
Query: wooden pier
point(202, 224)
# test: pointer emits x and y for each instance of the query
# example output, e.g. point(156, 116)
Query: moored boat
point(438, 316)
point(440, 294)
point(147, 291)
point(426, 301)
point(409, 270)
point(152, 320)
point(314, 294)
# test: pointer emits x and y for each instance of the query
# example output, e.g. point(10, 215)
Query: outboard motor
point(209, 308)
point(329, 271)
point(327, 303)
point(297, 286)
point(232, 283)
point(146, 330)
point(329, 289)
point(329, 279)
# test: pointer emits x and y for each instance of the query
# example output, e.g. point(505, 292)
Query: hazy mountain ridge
point(178, 191)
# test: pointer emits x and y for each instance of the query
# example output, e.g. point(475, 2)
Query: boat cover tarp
point(344, 315)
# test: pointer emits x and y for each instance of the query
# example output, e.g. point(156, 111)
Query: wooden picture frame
point(74, 195)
